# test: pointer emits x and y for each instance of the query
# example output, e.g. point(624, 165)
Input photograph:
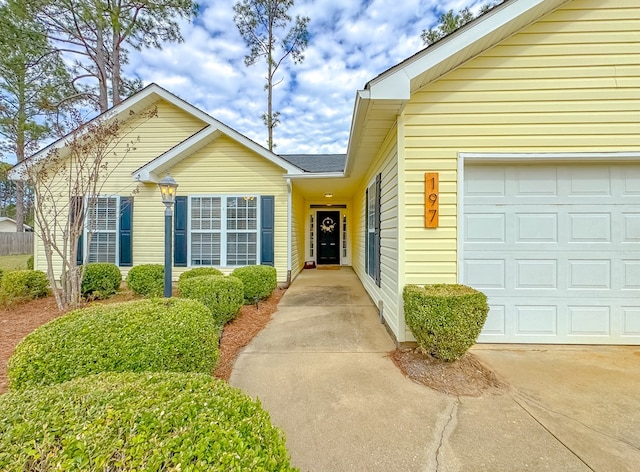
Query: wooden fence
point(16, 243)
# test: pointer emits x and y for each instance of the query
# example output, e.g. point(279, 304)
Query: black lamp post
point(168, 188)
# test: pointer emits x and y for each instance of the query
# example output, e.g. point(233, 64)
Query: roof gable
point(149, 172)
point(382, 100)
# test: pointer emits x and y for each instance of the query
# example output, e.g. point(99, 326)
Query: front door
point(328, 237)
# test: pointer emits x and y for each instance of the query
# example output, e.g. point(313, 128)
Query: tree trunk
point(101, 65)
point(19, 206)
point(270, 85)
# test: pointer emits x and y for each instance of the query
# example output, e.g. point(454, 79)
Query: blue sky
point(351, 43)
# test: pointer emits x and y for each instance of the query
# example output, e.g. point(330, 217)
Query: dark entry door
point(328, 237)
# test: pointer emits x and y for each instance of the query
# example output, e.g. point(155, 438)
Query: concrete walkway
point(321, 369)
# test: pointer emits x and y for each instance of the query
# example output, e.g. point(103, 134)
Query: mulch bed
point(21, 319)
point(464, 377)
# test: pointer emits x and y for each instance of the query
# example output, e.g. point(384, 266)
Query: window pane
point(241, 249)
point(206, 213)
point(205, 249)
point(242, 214)
point(103, 247)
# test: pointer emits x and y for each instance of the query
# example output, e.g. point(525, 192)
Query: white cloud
point(351, 43)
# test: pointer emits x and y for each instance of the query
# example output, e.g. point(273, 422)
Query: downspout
point(289, 230)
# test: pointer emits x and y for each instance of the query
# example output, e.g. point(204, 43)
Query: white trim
point(549, 157)
point(319, 175)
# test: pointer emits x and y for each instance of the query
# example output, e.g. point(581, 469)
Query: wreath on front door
point(327, 225)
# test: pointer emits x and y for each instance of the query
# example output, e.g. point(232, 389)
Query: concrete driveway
point(321, 368)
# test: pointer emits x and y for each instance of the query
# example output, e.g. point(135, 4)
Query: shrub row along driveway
point(321, 368)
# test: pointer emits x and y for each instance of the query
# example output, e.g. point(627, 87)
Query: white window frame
point(86, 256)
point(224, 231)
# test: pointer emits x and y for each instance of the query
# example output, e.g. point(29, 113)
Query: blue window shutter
point(126, 229)
point(75, 212)
point(378, 224)
point(180, 232)
point(267, 226)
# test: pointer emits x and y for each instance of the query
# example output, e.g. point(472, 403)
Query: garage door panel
point(630, 320)
point(485, 227)
point(589, 274)
point(536, 227)
point(557, 251)
point(631, 225)
point(589, 227)
point(486, 273)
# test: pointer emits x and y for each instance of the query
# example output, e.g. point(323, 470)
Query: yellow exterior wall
point(298, 234)
point(223, 167)
point(386, 163)
point(151, 137)
point(569, 82)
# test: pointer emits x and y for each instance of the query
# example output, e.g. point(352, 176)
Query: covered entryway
point(556, 248)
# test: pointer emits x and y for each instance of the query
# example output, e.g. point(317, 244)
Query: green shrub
point(222, 295)
point(149, 421)
point(199, 272)
point(101, 280)
point(446, 320)
point(21, 285)
point(147, 280)
point(259, 281)
point(30, 263)
point(163, 334)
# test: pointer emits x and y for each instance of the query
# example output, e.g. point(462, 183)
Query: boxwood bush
point(222, 295)
point(259, 281)
point(446, 320)
point(143, 335)
point(101, 280)
point(128, 421)
point(21, 285)
point(199, 272)
point(146, 280)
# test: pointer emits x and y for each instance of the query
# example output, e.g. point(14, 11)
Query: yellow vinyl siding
point(389, 292)
point(298, 233)
point(569, 82)
point(142, 140)
point(222, 167)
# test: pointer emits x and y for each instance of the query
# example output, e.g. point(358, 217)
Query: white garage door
point(556, 248)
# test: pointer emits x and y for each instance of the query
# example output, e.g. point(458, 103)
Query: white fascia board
point(360, 110)
point(396, 82)
point(551, 156)
point(319, 175)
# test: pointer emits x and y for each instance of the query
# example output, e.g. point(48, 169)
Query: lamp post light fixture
point(168, 188)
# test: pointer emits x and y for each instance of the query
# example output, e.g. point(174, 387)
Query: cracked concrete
point(321, 369)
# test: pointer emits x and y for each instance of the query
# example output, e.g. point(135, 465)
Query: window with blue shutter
point(126, 229)
point(180, 236)
point(267, 230)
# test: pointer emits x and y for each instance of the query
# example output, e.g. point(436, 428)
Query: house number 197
point(431, 200)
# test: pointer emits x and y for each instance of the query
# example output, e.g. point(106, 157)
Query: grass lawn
point(14, 262)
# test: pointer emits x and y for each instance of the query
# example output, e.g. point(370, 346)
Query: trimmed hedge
point(446, 320)
point(222, 295)
point(199, 272)
point(21, 285)
point(259, 281)
point(164, 334)
point(101, 280)
point(150, 421)
point(147, 280)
